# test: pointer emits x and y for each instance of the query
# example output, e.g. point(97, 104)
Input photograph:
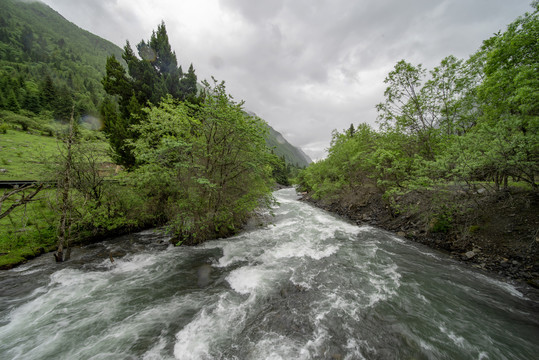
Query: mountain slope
point(282, 148)
point(37, 43)
point(292, 155)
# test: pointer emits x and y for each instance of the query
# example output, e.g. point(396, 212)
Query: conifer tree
point(150, 76)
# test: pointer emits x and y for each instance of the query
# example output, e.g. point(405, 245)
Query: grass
point(24, 155)
point(30, 230)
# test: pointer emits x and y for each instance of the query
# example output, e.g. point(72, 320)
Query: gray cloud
point(307, 67)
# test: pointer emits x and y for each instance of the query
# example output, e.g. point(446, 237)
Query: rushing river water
point(307, 286)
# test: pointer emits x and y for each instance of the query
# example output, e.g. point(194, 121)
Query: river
point(308, 285)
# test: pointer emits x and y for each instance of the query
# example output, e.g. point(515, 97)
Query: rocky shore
point(493, 231)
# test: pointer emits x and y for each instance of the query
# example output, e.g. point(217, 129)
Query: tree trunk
point(65, 207)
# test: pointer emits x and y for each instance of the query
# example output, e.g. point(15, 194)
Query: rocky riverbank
point(494, 231)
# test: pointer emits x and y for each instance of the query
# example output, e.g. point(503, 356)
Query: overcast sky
point(305, 66)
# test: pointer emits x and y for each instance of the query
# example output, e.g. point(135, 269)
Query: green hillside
point(282, 147)
point(48, 64)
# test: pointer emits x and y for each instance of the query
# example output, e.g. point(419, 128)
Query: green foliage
point(281, 172)
point(191, 156)
point(193, 163)
point(468, 123)
point(27, 231)
point(442, 222)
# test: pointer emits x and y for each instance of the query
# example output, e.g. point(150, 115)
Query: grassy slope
point(31, 230)
point(27, 231)
point(23, 155)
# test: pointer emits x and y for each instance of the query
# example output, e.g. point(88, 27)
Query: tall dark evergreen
point(188, 83)
point(150, 76)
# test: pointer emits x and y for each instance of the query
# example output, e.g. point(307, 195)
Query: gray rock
point(469, 255)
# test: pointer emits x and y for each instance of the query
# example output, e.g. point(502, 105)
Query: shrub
point(4, 128)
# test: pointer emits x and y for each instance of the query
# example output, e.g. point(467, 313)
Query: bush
point(4, 128)
point(24, 122)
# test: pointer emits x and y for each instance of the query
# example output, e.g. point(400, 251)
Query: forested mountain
point(48, 63)
point(282, 148)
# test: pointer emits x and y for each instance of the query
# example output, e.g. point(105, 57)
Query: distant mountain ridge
point(292, 155)
point(282, 148)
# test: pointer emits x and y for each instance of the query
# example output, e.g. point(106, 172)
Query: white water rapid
point(307, 286)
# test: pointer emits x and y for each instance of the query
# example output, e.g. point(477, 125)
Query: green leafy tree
point(194, 165)
point(63, 104)
point(188, 84)
point(406, 108)
point(506, 138)
point(48, 93)
point(12, 103)
point(31, 99)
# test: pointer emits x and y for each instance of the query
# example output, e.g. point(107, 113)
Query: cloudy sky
point(305, 66)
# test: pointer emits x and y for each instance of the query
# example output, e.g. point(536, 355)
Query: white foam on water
point(233, 252)
point(212, 325)
point(397, 239)
point(425, 345)
point(27, 269)
point(423, 298)
point(299, 249)
point(134, 263)
point(456, 339)
point(499, 284)
point(157, 351)
point(385, 284)
point(482, 355)
point(274, 347)
point(312, 348)
point(430, 254)
point(247, 279)
point(504, 286)
point(354, 348)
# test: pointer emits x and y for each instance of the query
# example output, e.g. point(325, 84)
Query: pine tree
point(48, 93)
point(189, 83)
point(12, 103)
point(150, 77)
